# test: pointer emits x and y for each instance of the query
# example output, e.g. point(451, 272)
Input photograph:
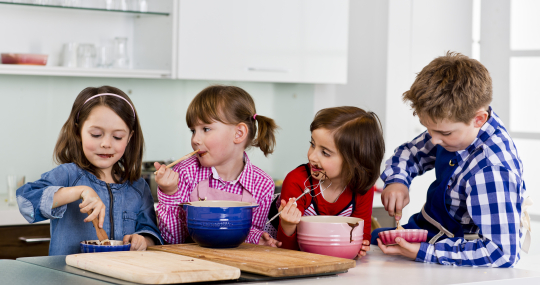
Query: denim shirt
point(132, 208)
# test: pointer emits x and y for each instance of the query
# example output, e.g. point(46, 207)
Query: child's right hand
point(290, 216)
point(92, 202)
point(394, 198)
point(166, 179)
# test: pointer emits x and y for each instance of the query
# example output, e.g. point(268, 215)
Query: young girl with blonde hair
point(223, 122)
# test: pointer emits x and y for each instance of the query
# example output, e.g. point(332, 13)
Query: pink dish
point(389, 237)
point(331, 235)
point(24, 58)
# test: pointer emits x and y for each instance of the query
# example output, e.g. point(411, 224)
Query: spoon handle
point(101, 233)
point(276, 215)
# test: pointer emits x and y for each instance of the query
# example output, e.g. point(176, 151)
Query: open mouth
point(315, 169)
point(105, 155)
point(202, 153)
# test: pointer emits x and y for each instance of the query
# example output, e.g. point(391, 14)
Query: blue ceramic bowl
point(219, 224)
point(116, 245)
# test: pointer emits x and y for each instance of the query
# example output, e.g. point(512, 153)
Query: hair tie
point(110, 94)
point(255, 116)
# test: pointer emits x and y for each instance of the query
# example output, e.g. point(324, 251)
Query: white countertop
point(378, 268)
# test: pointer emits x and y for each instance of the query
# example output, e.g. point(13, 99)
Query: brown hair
point(359, 139)
point(232, 105)
point(451, 87)
point(68, 148)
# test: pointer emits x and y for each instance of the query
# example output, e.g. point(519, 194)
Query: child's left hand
point(364, 249)
point(138, 242)
point(402, 247)
point(267, 240)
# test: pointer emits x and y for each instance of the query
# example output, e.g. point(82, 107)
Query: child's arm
point(47, 198)
point(409, 160)
point(170, 214)
point(260, 216)
point(363, 209)
point(291, 188)
point(494, 204)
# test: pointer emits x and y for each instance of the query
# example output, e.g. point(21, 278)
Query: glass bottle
point(121, 58)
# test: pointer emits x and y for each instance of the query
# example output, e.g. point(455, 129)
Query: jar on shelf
point(121, 58)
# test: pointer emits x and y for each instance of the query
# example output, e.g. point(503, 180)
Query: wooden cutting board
point(264, 260)
point(152, 267)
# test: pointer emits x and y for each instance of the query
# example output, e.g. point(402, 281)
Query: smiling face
point(454, 136)
point(215, 142)
point(324, 156)
point(104, 138)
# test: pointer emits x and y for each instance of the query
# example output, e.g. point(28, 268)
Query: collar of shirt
point(487, 130)
point(245, 178)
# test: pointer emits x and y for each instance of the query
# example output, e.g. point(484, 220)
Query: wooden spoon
point(180, 159)
point(101, 234)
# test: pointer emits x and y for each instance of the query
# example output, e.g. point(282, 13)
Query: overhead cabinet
point(253, 40)
point(302, 41)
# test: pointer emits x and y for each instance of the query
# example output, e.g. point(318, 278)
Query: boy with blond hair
point(474, 207)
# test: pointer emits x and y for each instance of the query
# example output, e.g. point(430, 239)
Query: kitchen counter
point(376, 268)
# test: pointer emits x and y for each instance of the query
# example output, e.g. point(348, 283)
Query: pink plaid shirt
point(172, 222)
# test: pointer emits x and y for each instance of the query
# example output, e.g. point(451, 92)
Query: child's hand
point(394, 198)
point(267, 240)
point(166, 179)
point(402, 247)
point(364, 249)
point(138, 242)
point(290, 216)
point(92, 202)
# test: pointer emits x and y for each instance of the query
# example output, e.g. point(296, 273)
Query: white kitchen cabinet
point(45, 29)
point(303, 41)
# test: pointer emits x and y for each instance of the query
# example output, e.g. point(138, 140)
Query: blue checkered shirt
point(484, 194)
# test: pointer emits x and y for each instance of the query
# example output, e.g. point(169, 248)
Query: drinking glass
point(14, 182)
point(69, 55)
point(104, 56)
point(121, 58)
point(86, 55)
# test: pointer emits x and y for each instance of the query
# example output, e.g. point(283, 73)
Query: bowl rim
point(221, 204)
point(112, 245)
point(327, 219)
point(403, 231)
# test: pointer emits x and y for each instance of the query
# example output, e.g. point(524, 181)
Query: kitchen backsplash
point(34, 108)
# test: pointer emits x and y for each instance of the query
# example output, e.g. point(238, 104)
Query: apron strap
point(442, 230)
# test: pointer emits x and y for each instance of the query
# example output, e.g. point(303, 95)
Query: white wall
point(419, 31)
point(34, 108)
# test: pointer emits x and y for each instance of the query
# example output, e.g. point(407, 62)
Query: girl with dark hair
point(344, 159)
point(223, 122)
point(100, 151)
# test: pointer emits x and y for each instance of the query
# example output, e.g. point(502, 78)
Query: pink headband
point(110, 94)
point(255, 117)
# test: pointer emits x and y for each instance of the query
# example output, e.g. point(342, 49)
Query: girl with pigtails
point(223, 122)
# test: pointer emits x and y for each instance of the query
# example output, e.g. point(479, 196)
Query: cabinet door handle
point(35, 239)
point(268, 69)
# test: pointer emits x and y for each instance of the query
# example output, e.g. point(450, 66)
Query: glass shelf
point(136, 13)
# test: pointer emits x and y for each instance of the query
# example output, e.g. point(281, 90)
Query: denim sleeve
point(146, 218)
point(410, 160)
point(35, 198)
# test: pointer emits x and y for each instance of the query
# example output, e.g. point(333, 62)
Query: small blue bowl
point(92, 246)
point(219, 224)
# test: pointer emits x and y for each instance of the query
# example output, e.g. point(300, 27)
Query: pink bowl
point(389, 237)
point(24, 58)
point(330, 235)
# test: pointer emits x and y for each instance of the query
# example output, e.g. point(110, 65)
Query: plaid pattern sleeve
point(410, 160)
point(262, 187)
point(169, 211)
point(494, 206)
